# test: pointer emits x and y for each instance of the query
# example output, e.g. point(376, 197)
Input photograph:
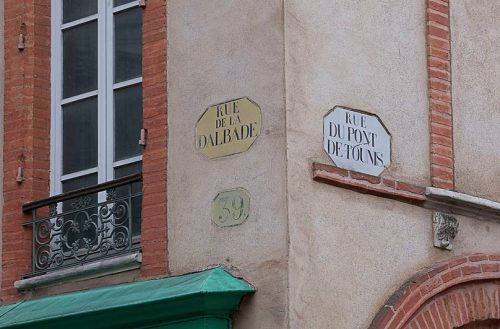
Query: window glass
point(76, 9)
point(128, 44)
point(85, 124)
point(80, 135)
point(123, 171)
point(80, 182)
point(122, 2)
point(128, 122)
point(80, 59)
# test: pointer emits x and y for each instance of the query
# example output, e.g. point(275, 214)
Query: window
point(96, 92)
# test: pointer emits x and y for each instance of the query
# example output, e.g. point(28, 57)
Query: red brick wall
point(447, 295)
point(382, 187)
point(27, 134)
point(440, 101)
point(154, 200)
point(26, 130)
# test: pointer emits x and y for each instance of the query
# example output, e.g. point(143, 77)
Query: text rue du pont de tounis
point(352, 140)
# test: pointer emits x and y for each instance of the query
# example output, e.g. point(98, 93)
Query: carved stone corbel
point(445, 230)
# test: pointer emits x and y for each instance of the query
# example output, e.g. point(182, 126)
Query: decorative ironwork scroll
point(76, 228)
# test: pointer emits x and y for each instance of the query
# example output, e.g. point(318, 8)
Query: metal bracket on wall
point(22, 38)
point(143, 137)
point(20, 176)
point(21, 45)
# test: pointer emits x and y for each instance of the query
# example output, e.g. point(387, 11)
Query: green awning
point(204, 297)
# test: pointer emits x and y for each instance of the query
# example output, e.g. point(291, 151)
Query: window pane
point(80, 59)
point(122, 2)
point(130, 169)
point(76, 9)
point(80, 182)
point(128, 44)
point(128, 122)
point(123, 171)
point(80, 135)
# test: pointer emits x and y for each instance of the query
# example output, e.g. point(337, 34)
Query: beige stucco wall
point(349, 252)
point(475, 36)
point(320, 256)
point(368, 55)
point(218, 51)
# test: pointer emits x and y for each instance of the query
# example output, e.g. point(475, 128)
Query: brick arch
point(450, 294)
point(465, 306)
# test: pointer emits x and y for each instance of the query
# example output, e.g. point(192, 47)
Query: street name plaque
point(228, 128)
point(357, 141)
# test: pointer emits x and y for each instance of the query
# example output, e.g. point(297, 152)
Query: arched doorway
point(462, 293)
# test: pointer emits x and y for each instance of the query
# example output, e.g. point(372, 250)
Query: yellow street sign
point(228, 128)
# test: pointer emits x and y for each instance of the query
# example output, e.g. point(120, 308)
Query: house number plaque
point(231, 208)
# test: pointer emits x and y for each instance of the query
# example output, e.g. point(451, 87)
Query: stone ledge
point(87, 271)
point(438, 199)
point(461, 204)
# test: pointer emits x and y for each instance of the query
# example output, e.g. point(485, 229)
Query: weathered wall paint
point(367, 55)
point(475, 40)
point(346, 261)
point(349, 252)
point(218, 51)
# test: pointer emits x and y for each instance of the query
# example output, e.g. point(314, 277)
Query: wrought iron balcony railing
point(86, 225)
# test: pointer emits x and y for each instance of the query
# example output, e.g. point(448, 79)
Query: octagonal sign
point(356, 140)
point(231, 208)
point(228, 128)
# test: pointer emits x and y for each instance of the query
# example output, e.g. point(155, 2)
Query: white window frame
point(105, 94)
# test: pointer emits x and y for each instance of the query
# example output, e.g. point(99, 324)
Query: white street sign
point(356, 141)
